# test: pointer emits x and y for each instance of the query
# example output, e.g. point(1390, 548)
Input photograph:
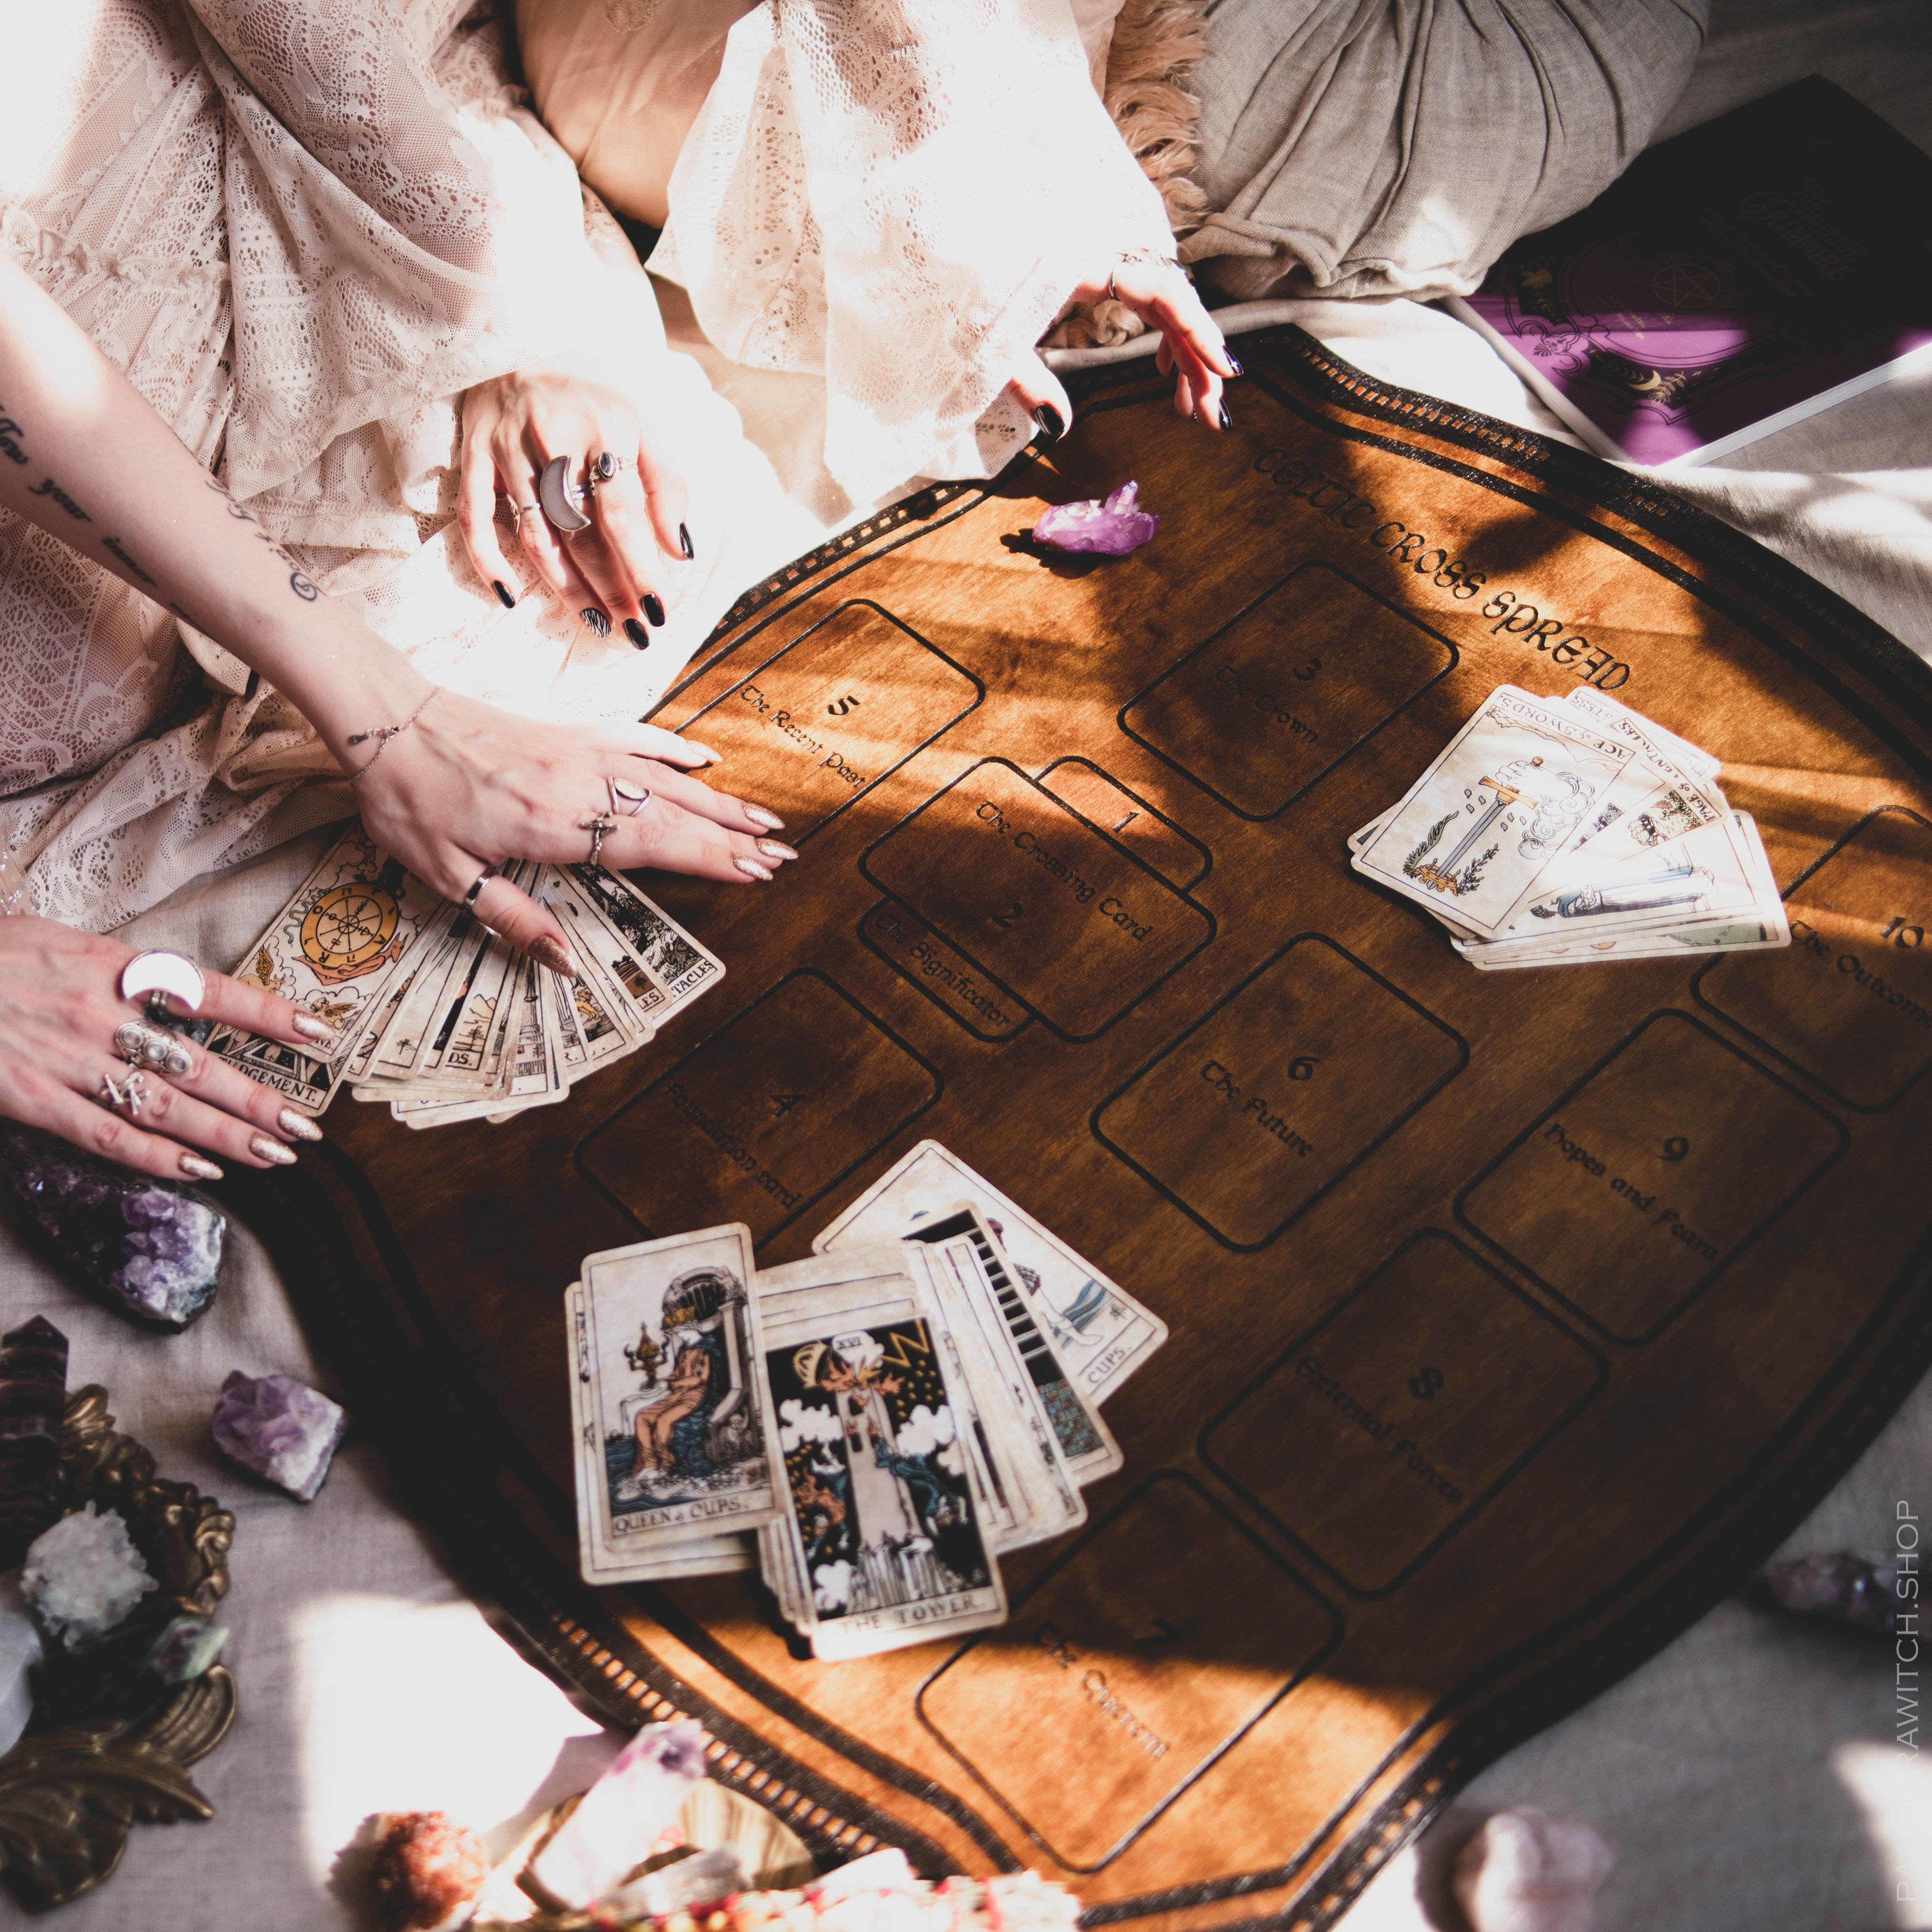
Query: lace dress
point(303, 230)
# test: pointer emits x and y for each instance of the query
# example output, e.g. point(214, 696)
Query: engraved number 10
point(1902, 934)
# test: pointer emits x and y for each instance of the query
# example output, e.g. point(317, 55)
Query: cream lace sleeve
point(900, 195)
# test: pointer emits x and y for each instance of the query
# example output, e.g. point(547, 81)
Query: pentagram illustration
point(1681, 286)
point(348, 931)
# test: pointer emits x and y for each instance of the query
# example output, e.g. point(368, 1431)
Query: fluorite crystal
point(1529, 1871)
point(84, 1575)
point(428, 1870)
point(33, 1398)
point(185, 1649)
point(616, 1825)
point(1841, 1586)
point(152, 1248)
point(1110, 528)
point(280, 1429)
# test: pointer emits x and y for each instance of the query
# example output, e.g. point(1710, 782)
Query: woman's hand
point(469, 786)
point(60, 1003)
point(622, 570)
point(1192, 350)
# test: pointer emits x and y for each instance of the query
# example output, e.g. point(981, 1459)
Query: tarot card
point(1508, 794)
point(589, 1033)
point(968, 1259)
point(1694, 759)
point(665, 950)
point(701, 1554)
point(1674, 800)
point(1096, 1333)
point(335, 949)
point(490, 1092)
point(670, 1425)
point(867, 1448)
point(1704, 876)
point(1021, 1449)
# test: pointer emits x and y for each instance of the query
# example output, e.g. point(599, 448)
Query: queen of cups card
point(672, 1434)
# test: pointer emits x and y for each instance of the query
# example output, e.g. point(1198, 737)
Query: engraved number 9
point(1676, 1148)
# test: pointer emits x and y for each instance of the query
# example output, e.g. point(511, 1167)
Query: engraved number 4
point(783, 1103)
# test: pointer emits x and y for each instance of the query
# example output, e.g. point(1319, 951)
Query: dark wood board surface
point(1475, 1394)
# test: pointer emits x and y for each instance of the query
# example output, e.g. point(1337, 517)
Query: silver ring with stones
point(627, 799)
point(130, 1096)
point(603, 468)
point(141, 1045)
point(597, 827)
point(483, 878)
point(151, 976)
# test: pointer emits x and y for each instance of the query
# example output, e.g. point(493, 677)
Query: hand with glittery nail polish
point(61, 1006)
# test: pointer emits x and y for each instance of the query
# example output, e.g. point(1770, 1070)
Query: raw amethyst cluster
point(152, 1248)
point(1109, 529)
point(280, 1429)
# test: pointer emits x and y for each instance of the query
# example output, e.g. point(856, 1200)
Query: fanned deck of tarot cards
point(439, 1017)
point(872, 1427)
point(1562, 832)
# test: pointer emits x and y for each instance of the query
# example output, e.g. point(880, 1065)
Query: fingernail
point(316, 1030)
point(772, 849)
point(1236, 367)
point(684, 537)
point(1048, 419)
point(263, 1148)
point(753, 870)
point(598, 621)
point(503, 596)
point(705, 752)
point(636, 632)
point(653, 608)
point(554, 954)
point(196, 1168)
point(298, 1125)
point(1227, 421)
point(770, 821)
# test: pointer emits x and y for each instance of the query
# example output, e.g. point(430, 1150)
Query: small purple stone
point(1840, 1585)
point(1110, 528)
point(279, 1429)
point(152, 1248)
point(33, 1400)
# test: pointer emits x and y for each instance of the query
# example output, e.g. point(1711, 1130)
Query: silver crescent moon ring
point(553, 489)
point(164, 973)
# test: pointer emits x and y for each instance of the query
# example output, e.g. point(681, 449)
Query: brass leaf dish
point(109, 1743)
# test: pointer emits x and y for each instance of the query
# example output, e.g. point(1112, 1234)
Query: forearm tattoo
point(299, 580)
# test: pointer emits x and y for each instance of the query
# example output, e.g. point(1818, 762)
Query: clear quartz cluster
point(152, 1248)
point(1109, 528)
point(279, 1429)
point(84, 1575)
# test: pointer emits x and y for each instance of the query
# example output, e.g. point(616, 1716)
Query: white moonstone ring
point(149, 974)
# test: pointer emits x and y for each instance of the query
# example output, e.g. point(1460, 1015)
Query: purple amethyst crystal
point(1110, 528)
point(279, 1429)
point(152, 1248)
point(1842, 1586)
point(33, 1398)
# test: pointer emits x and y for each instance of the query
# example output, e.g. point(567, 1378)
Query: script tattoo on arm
point(300, 582)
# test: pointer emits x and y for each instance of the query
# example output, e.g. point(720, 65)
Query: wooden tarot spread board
point(1514, 1317)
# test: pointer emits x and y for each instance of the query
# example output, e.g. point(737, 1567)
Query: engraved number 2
point(1012, 913)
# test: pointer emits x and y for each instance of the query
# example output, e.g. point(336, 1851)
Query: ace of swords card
point(335, 950)
point(670, 1425)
